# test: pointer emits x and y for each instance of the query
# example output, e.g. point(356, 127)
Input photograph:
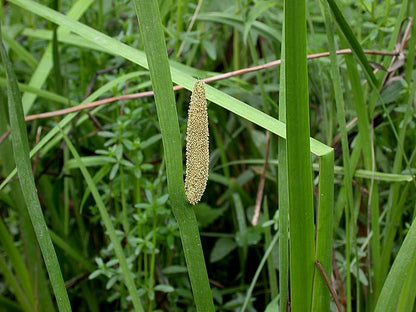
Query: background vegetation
point(106, 229)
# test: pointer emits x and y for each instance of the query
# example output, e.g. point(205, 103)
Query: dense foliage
point(120, 144)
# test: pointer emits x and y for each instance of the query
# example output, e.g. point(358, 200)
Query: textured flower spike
point(197, 145)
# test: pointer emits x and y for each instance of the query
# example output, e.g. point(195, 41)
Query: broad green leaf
point(222, 248)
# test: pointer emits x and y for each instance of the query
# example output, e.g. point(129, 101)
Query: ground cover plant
point(310, 199)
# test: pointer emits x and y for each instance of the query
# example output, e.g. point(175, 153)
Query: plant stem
point(154, 43)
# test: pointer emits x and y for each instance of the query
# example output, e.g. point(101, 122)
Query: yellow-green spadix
point(197, 145)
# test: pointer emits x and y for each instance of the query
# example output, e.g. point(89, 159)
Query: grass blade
point(283, 197)
point(258, 271)
point(215, 96)
point(10, 279)
point(26, 296)
point(26, 179)
point(109, 227)
point(152, 36)
point(324, 232)
point(45, 64)
point(403, 270)
point(353, 42)
point(301, 210)
point(340, 112)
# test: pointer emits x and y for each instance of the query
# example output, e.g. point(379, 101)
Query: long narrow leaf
point(26, 179)
point(347, 179)
point(355, 45)
point(17, 263)
point(138, 57)
point(45, 64)
point(403, 268)
point(109, 228)
point(299, 168)
point(324, 232)
point(152, 35)
point(283, 197)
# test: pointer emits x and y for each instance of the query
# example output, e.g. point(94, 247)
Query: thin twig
point(348, 126)
point(176, 88)
point(191, 24)
point(331, 289)
point(261, 184)
point(100, 72)
point(4, 136)
point(338, 279)
point(398, 60)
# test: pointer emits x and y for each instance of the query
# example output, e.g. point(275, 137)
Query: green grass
point(94, 214)
point(21, 155)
